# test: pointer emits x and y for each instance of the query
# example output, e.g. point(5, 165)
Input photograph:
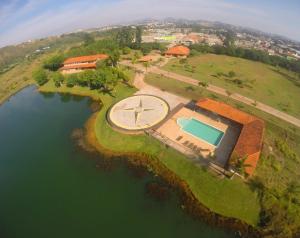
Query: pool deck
point(220, 154)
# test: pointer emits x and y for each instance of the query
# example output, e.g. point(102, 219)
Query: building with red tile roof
point(178, 51)
point(249, 143)
point(146, 58)
point(77, 64)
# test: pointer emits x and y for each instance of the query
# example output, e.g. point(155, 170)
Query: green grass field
point(271, 85)
point(231, 198)
point(279, 164)
point(17, 78)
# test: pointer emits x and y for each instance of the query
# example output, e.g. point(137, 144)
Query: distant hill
point(12, 55)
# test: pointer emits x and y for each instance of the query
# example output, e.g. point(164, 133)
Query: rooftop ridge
point(249, 143)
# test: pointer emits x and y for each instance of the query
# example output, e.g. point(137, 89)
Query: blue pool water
point(201, 130)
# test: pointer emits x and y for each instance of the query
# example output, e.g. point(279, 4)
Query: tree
point(146, 65)
point(101, 64)
point(122, 75)
point(125, 37)
point(162, 48)
point(126, 50)
point(146, 48)
point(113, 58)
point(203, 85)
point(138, 37)
point(256, 185)
point(58, 78)
point(229, 39)
point(133, 60)
point(239, 165)
point(40, 76)
point(88, 39)
point(137, 55)
point(231, 74)
point(53, 63)
point(71, 80)
point(193, 53)
point(86, 77)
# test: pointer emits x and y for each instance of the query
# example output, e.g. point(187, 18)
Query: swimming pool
point(201, 130)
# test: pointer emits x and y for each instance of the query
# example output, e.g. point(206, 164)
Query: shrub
point(53, 63)
point(194, 53)
point(126, 50)
point(58, 79)
point(40, 76)
point(231, 74)
point(285, 149)
point(183, 61)
point(71, 80)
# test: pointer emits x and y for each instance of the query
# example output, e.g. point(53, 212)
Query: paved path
point(144, 88)
point(263, 107)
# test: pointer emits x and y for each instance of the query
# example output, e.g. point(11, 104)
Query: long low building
point(77, 64)
point(250, 140)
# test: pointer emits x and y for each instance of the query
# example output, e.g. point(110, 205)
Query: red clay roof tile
point(178, 50)
point(250, 140)
point(84, 59)
point(79, 66)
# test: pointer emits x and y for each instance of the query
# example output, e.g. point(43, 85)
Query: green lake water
point(50, 188)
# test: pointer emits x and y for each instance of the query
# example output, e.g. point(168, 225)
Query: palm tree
point(113, 58)
point(256, 185)
point(239, 164)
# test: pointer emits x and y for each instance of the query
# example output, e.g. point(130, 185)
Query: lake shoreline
point(10, 94)
point(189, 203)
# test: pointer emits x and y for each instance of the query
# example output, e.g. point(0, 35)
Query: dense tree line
point(122, 41)
point(251, 54)
point(104, 78)
point(105, 46)
point(54, 62)
point(132, 38)
point(40, 76)
point(11, 55)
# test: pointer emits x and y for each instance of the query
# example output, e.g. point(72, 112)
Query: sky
point(22, 20)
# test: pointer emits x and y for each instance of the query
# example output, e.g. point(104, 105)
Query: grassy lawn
point(278, 166)
point(231, 198)
point(17, 78)
point(271, 85)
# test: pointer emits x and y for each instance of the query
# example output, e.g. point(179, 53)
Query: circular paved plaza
point(138, 112)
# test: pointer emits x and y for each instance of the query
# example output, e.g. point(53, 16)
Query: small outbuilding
point(178, 51)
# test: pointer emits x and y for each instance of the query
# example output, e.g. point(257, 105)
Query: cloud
point(76, 14)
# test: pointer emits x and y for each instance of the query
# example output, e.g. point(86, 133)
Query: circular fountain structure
point(138, 113)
